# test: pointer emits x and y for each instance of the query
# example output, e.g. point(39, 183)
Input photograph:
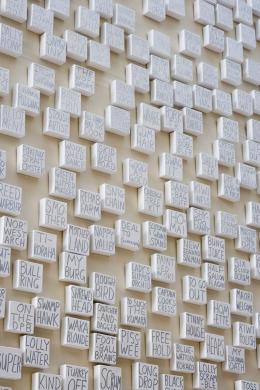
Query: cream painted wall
point(36, 189)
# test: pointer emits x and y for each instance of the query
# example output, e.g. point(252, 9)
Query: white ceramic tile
point(26, 99)
point(133, 312)
point(19, 318)
point(105, 319)
point(231, 72)
point(129, 344)
point(76, 45)
point(213, 348)
point(4, 81)
point(5, 261)
point(176, 223)
point(79, 301)
point(143, 139)
point(213, 249)
point(246, 176)
point(128, 235)
point(154, 9)
point(47, 313)
point(203, 371)
point(251, 153)
point(243, 384)
point(241, 302)
point(192, 326)
point(103, 158)
point(87, 21)
point(229, 188)
point(160, 43)
point(42, 78)
point(175, 9)
point(149, 116)
point(224, 152)
point(69, 101)
point(104, 287)
point(138, 277)
point(226, 224)
point(138, 78)
point(198, 221)
point(203, 12)
point(137, 49)
point(135, 173)
point(207, 75)
point(233, 50)
point(158, 344)
point(74, 374)
point(150, 201)
point(30, 160)
point(72, 156)
point(53, 49)
point(246, 240)
point(159, 68)
point(218, 314)
point(102, 240)
point(72, 268)
point(62, 183)
point(222, 103)
point(192, 121)
point(139, 376)
point(163, 268)
point(213, 38)
point(246, 35)
point(214, 274)
point(189, 252)
point(27, 276)
point(107, 377)
point(103, 7)
point(181, 68)
point(182, 94)
point(202, 99)
point(56, 123)
point(82, 80)
point(60, 9)
point(170, 167)
point(194, 290)
point(164, 301)
point(98, 56)
point(96, 350)
point(171, 382)
point(14, 354)
point(190, 43)
point(124, 17)
point(53, 214)
point(112, 199)
point(228, 129)
point(244, 335)
point(224, 17)
point(206, 167)
point(154, 236)
point(13, 233)
point(235, 360)
point(176, 195)
point(183, 358)
point(181, 145)
point(36, 351)
point(91, 127)
point(40, 20)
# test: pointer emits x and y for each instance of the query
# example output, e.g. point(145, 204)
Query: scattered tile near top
point(119, 147)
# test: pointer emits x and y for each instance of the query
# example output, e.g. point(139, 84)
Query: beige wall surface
point(34, 190)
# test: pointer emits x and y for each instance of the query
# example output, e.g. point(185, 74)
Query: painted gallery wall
point(130, 145)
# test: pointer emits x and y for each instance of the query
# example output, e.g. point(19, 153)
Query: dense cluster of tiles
point(91, 319)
